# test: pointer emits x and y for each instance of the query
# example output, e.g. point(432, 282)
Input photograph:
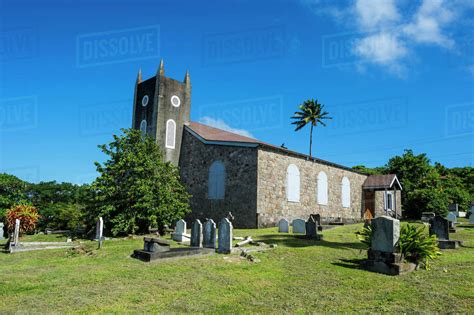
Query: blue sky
point(394, 75)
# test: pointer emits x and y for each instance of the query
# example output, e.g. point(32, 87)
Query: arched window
point(322, 188)
point(293, 183)
point(143, 127)
point(346, 192)
point(170, 134)
point(216, 188)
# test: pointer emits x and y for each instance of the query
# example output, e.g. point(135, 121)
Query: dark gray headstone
point(385, 234)
point(196, 234)
point(311, 228)
point(316, 217)
point(209, 234)
point(439, 226)
point(283, 226)
point(225, 236)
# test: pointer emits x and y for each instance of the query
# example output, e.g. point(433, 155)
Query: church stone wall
point(272, 203)
point(379, 202)
point(240, 185)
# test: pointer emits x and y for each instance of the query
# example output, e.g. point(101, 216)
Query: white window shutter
point(322, 188)
point(170, 134)
point(346, 192)
point(293, 183)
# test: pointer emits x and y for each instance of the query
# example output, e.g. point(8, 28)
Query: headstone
point(283, 226)
point(196, 234)
point(179, 234)
point(439, 226)
point(99, 230)
point(454, 208)
point(451, 217)
point(1, 231)
point(385, 234)
point(16, 233)
point(225, 236)
point(317, 218)
point(209, 234)
point(299, 226)
point(427, 216)
point(311, 228)
point(471, 217)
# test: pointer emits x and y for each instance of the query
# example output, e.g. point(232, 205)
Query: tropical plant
point(311, 112)
point(28, 216)
point(417, 246)
point(365, 235)
point(136, 189)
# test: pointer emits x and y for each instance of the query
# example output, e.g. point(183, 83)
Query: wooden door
point(369, 204)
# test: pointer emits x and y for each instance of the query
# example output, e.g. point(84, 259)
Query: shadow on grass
point(349, 263)
point(301, 241)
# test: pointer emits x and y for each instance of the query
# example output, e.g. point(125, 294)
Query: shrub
point(365, 235)
point(28, 216)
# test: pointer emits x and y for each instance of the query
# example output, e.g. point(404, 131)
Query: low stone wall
point(272, 203)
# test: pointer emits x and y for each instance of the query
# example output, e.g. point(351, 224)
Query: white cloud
point(428, 23)
point(382, 48)
point(221, 124)
point(376, 13)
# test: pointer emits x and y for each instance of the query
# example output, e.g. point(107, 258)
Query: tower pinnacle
point(161, 70)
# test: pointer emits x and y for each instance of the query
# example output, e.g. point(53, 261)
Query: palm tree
point(311, 112)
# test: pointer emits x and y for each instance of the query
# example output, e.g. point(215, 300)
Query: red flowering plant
point(28, 216)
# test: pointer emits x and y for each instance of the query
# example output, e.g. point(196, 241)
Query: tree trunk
point(310, 139)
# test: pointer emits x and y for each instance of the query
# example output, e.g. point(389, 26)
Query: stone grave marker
point(99, 229)
point(471, 217)
point(196, 234)
point(209, 234)
point(312, 229)
point(317, 218)
point(451, 217)
point(225, 236)
point(16, 233)
point(1, 231)
point(439, 226)
point(385, 234)
point(283, 226)
point(179, 234)
point(299, 226)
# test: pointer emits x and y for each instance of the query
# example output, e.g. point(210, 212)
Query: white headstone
point(299, 226)
point(209, 234)
point(385, 234)
point(283, 226)
point(225, 236)
point(451, 217)
point(179, 234)
point(99, 230)
point(16, 233)
point(1, 231)
point(196, 234)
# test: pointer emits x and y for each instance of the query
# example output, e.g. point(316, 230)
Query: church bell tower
point(161, 107)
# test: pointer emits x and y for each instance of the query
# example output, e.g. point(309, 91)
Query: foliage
point(417, 246)
point(136, 189)
point(370, 171)
point(12, 192)
point(311, 112)
point(365, 235)
point(28, 216)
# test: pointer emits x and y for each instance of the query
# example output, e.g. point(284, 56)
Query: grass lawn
point(297, 276)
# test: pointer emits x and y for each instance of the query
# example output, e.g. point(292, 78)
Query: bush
point(415, 245)
point(28, 216)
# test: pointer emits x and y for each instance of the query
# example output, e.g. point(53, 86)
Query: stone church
point(257, 182)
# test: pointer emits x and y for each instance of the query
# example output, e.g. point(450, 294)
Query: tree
point(370, 171)
point(311, 112)
point(12, 192)
point(136, 189)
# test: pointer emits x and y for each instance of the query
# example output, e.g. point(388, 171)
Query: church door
point(369, 204)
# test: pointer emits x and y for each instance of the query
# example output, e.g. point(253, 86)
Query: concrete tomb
point(384, 256)
point(299, 226)
point(179, 234)
point(196, 234)
point(225, 236)
point(439, 226)
point(283, 226)
point(209, 234)
point(155, 248)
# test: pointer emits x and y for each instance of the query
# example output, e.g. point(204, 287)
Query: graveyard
point(298, 275)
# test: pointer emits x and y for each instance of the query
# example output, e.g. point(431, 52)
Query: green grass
point(298, 276)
